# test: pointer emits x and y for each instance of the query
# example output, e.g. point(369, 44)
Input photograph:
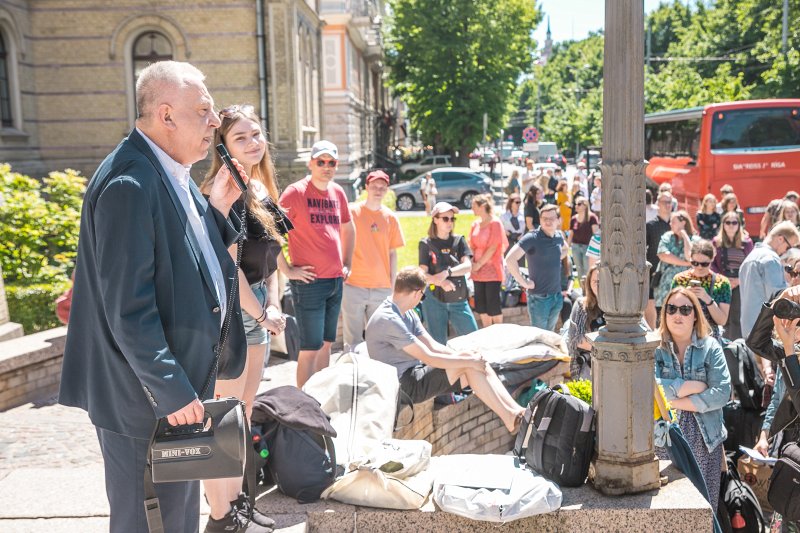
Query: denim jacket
point(704, 361)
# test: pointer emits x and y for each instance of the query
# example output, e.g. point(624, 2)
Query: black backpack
point(743, 426)
point(738, 505)
point(556, 437)
point(746, 380)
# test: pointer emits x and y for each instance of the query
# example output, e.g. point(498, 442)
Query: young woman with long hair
point(674, 252)
point(240, 131)
point(731, 246)
point(582, 226)
point(586, 317)
point(534, 201)
point(690, 366)
point(708, 220)
point(488, 242)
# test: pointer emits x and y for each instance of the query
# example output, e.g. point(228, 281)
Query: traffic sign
point(530, 134)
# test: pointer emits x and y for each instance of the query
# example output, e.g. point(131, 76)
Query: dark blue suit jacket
point(145, 317)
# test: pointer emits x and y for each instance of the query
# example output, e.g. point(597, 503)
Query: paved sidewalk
point(51, 470)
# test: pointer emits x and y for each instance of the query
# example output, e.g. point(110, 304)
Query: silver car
point(455, 185)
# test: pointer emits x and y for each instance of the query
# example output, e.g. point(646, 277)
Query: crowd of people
point(152, 328)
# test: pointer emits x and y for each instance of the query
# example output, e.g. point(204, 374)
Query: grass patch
point(416, 227)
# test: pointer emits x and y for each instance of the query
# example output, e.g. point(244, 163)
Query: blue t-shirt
point(543, 255)
point(389, 331)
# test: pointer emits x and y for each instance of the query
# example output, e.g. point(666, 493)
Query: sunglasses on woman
point(731, 222)
point(447, 219)
point(700, 263)
point(330, 162)
point(791, 271)
point(685, 310)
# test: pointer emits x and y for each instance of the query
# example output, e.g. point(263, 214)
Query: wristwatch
point(449, 272)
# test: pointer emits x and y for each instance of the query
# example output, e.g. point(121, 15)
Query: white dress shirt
point(181, 181)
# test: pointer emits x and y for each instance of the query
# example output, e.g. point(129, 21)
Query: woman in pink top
point(487, 240)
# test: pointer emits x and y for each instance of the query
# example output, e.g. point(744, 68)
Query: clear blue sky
point(574, 19)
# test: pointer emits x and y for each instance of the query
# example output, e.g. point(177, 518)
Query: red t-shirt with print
point(317, 217)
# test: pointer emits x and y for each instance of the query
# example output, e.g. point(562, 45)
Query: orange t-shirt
point(377, 234)
point(317, 217)
point(480, 240)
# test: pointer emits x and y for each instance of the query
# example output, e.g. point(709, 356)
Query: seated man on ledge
point(426, 368)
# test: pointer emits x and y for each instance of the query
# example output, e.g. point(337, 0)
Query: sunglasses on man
point(329, 162)
point(685, 310)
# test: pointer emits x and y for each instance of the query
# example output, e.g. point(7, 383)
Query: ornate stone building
point(357, 112)
point(68, 69)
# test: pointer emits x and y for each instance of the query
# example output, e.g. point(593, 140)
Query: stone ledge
point(10, 330)
point(676, 508)
point(32, 349)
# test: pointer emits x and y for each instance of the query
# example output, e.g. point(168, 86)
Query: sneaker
point(242, 507)
point(234, 523)
point(259, 518)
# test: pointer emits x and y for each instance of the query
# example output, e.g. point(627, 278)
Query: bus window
point(756, 129)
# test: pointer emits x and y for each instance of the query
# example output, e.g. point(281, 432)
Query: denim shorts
point(255, 332)
point(316, 308)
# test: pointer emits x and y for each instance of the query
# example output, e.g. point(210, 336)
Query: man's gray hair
point(155, 78)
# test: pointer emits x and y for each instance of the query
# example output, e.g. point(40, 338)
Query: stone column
point(8, 329)
point(622, 366)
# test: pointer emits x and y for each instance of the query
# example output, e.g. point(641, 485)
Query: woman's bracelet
point(263, 316)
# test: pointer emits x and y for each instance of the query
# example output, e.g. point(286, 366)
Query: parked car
point(486, 156)
point(518, 157)
point(455, 185)
point(590, 158)
point(425, 164)
point(558, 159)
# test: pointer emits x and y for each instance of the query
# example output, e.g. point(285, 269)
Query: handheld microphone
point(226, 158)
point(786, 309)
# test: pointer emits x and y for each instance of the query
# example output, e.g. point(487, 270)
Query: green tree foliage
point(703, 52)
point(565, 96)
point(39, 224)
point(452, 61)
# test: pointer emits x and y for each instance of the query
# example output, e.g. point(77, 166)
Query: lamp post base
point(615, 478)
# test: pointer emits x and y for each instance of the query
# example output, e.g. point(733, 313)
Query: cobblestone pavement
point(44, 433)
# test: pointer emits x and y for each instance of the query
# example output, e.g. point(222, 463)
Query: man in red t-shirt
point(324, 238)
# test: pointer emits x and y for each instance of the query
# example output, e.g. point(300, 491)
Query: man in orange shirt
point(378, 235)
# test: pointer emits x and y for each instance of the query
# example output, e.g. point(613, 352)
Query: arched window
point(6, 117)
point(150, 47)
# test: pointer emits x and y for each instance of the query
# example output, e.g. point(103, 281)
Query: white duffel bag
point(395, 476)
point(359, 394)
point(492, 488)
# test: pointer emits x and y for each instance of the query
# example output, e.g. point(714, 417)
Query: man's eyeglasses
point(685, 310)
point(422, 292)
point(700, 263)
point(326, 162)
point(447, 219)
point(231, 110)
point(731, 222)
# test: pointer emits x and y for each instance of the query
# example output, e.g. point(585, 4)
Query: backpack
point(784, 483)
point(301, 458)
point(511, 292)
point(556, 437)
point(746, 380)
point(743, 426)
point(738, 504)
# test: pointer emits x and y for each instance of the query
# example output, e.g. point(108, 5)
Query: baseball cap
point(377, 175)
point(443, 207)
point(324, 147)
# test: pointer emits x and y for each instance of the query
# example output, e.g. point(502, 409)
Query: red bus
point(752, 145)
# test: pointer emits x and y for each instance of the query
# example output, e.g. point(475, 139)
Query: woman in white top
point(513, 220)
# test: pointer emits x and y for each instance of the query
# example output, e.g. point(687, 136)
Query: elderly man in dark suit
point(151, 287)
